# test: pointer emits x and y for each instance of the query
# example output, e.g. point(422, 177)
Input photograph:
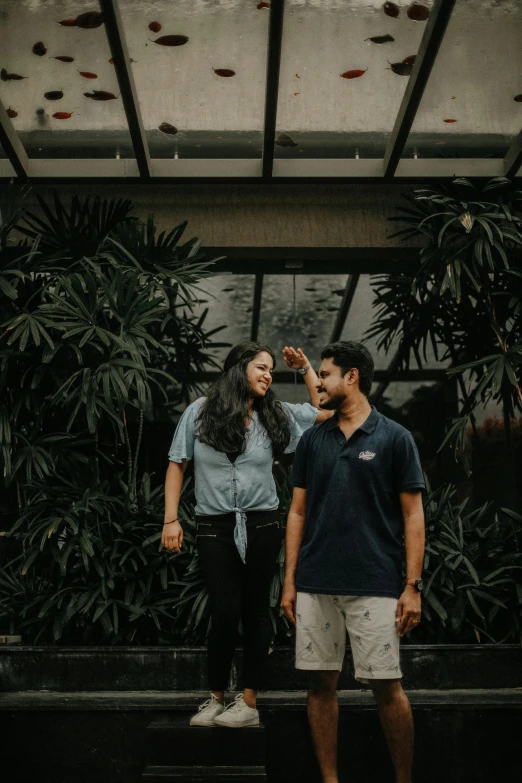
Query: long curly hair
point(221, 421)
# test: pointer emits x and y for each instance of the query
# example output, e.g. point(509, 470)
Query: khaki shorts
point(321, 625)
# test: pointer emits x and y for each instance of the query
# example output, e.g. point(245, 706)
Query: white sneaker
point(207, 711)
point(238, 714)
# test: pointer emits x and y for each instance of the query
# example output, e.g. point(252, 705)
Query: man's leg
point(323, 716)
point(397, 723)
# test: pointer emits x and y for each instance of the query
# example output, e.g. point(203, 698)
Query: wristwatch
point(418, 584)
point(303, 370)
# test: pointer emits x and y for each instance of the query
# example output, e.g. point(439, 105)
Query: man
point(356, 505)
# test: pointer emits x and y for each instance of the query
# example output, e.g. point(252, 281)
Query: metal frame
point(120, 55)
point(314, 260)
point(13, 147)
point(248, 171)
point(431, 40)
point(256, 308)
point(390, 375)
point(413, 376)
point(275, 37)
point(342, 315)
point(513, 159)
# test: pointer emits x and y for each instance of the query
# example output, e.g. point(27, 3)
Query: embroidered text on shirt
point(367, 455)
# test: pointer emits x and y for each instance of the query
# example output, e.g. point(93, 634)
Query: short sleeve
point(182, 446)
point(302, 417)
point(407, 470)
point(299, 468)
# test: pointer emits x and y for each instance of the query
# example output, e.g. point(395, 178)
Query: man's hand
point(295, 359)
point(288, 599)
point(172, 536)
point(408, 613)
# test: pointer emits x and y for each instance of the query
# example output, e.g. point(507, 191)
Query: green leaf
point(474, 604)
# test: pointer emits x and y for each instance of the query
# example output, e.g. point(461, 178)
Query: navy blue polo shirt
point(353, 537)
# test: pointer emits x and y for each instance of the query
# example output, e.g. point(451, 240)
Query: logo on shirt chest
point(366, 455)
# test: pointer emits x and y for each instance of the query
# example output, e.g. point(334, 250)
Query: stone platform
point(77, 715)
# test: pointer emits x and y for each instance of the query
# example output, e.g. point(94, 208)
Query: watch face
point(419, 584)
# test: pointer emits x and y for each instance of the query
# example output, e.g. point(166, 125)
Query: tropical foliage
point(472, 572)
point(98, 329)
point(464, 302)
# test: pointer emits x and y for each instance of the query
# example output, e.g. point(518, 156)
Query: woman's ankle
point(249, 697)
point(220, 696)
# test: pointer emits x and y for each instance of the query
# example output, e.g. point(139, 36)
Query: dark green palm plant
point(92, 571)
point(465, 300)
point(76, 230)
point(472, 573)
point(97, 325)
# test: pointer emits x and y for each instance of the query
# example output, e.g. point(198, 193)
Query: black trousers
point(238, 591)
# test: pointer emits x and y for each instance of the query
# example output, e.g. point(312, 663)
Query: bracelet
point(304, 370)
point(171, 521)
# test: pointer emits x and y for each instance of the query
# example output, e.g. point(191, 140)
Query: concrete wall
point(278, 216)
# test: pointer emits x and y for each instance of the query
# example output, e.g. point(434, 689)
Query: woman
point(233, 436)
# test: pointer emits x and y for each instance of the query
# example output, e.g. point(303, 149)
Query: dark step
point(184, 703)
point(175, 742)
point(204, 774)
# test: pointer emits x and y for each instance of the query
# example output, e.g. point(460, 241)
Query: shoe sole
point(202, 725)
point(237, 725)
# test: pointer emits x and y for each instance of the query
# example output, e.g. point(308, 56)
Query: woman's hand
point(172, 536)
point(295, 359)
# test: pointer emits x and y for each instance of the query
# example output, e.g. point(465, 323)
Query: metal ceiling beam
point(429, 46)
point(120, 55)
point(513, 159)
point(315, 260)
point(12, 145)
point(256, 308)
point(305, 260)
point(391, 372)
point(228, 171)
point(209, 376)
point(342, 315)
point(275, 37)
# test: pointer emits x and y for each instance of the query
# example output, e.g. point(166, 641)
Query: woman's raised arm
point(296, 359)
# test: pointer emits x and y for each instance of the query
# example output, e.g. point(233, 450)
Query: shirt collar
point(367, 426)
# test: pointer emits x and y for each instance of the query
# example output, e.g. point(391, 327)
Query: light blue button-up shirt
point(247, 484)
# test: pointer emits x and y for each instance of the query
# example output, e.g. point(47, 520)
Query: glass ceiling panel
point(360, 318)
point(470, 107)
point(228, 299)
point(47, 69)
point(337, 92)
point(400, 393)
point(309, 322)
point(200, 70)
